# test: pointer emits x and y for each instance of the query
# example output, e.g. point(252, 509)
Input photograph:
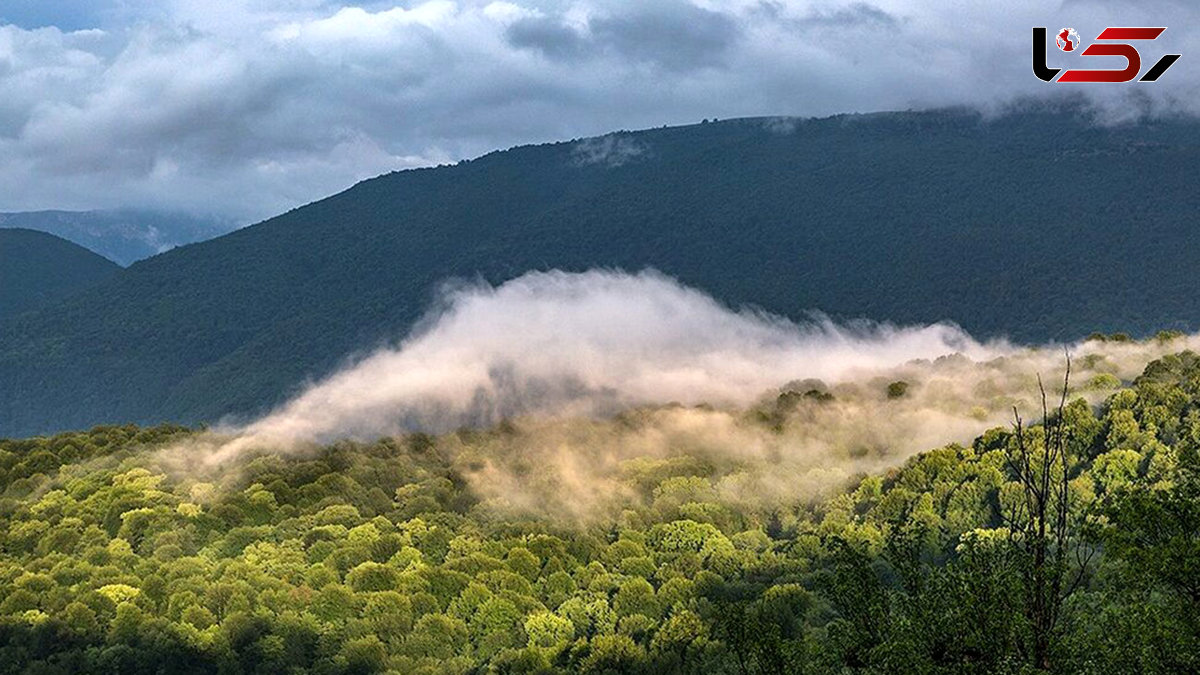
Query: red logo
point(1067, 40)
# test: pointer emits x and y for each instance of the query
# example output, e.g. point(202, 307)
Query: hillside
point(38, 268)
point(122, 235)
point(390, 557)
point(1038, 225)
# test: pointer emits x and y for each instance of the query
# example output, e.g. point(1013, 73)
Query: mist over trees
point(117, 556)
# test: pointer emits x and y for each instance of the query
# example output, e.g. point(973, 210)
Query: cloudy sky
point(245, 108)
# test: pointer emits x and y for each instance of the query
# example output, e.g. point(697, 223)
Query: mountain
point(1037, 225)
point(38, 268)
point(123, 235)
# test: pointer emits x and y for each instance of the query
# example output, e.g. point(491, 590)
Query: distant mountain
point(1035, 225)
point(37, 268)
point(124, 235)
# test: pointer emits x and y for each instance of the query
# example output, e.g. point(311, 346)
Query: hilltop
point(38, 268)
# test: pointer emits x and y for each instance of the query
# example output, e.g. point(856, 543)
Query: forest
point(1067, 542)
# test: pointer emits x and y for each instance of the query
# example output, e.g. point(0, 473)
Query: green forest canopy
point(374, 557)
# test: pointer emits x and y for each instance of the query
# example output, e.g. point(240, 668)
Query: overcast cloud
point(249, 107)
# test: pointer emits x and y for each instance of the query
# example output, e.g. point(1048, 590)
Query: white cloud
point(557, 343)
point(550, 351)
point(253, 106)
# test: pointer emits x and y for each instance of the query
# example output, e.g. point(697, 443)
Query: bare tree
point(1040, 522)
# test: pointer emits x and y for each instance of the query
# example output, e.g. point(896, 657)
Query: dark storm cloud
point(675, 35)
point(854, 14)
point(250, 107)
point(547, 35)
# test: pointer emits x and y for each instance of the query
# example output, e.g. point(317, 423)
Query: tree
point(1156, 533)
point(613, 654)
point(548, 630)
point(681, 636)
point(365, 655)
point(1040, 521)
point(636, 596)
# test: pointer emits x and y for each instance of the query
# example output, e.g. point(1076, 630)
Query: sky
point(246, 108)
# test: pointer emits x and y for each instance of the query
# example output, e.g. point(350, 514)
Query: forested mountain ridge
point(121, 235)
point(118, 556)
point(1038, 224)
point(38, 268)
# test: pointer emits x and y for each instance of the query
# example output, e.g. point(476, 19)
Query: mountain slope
point(38, 268)
point(121, 235)
point(1036, 225)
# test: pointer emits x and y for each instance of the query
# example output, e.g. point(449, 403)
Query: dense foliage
point(38, 268)
point(354, 558)
point(1039, 224)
